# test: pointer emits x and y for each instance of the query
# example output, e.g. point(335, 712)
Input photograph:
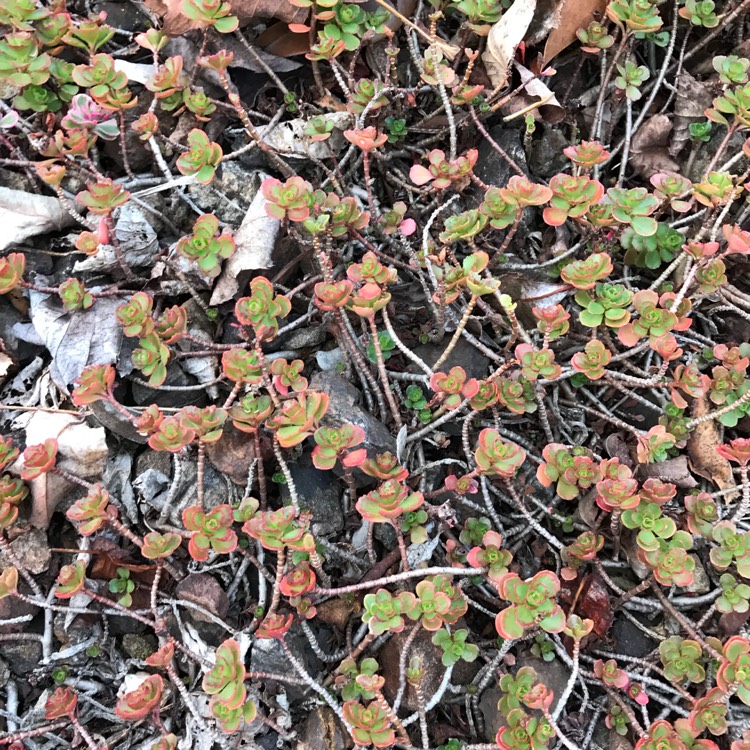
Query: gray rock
point(153, 471)
point(322, 731)
point(320, 492)
point(139, 646)
point(463, 355)
point(344, 407)
point(268, 656)
point(126, 16)
point(32, 550)
point(23, 657)
point(631, 640)
point(493, 168)
point(546, 156)
point(493, 719)
point(304, 338)
point(237, 183)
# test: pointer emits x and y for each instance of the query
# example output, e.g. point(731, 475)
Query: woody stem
point(276, 598)
point(384, 375)
point(457, 334)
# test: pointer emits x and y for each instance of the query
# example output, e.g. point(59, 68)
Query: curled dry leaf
point(254, 243)
point(701, 446)
point(675, 470)
point(504, 38)
point(692, 97)
point(571, 15)
point(174, 22)
point(551, 111)
point(648, 150)
point(24, 215)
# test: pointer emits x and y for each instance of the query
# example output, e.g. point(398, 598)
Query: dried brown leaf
point(571, 16)
point(504, 38)
point(649, 153)
point(174, 22)
point(675, 470)
point(701, 447)
point(691, 99)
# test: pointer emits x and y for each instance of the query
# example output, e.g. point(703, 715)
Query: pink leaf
point(420, 175)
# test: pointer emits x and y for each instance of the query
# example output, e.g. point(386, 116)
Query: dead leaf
point(701, 446)
point(290, 138)
point(232, 453)
point(81, 450)
point(504, 38)
point(573, 15)
point(692, 97)
point(648, 149)
point(551, 111)
point(335, 612)
point(280, 41)
point(74, 340)
point(674, 470)
point(589, 598)
point(24, 215)
point(175, 23)
point(254, 243)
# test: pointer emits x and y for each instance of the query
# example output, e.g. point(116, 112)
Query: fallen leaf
point(551, 111)
point(254, 243)
point(674, 470)
point(81, 450)
point(573, 15)
point(24, 215)
point(702, 445)
point(75, 340)
point(589, 598)
point(291, 140)
point(648, 149)
point(174, 22)
point(692, 97)
point(503, 39)
point(232, 453)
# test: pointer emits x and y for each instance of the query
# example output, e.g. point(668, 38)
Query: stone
point(139, 646)
point(23, 657)
point(629, 639)
point(176, 376)
point(546, 156)
point(422, 647)
point(268, 656)
point(320, 492)
point(492, 168)
point(322, 731)
point(463, 355)
point(32, 551)
point(344, 408)
point(204, 590)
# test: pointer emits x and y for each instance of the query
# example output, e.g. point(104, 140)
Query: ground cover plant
point(375, 375)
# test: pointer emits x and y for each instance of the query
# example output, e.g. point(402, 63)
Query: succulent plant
point(209, 531)
point(532, 602)
point(139, 703)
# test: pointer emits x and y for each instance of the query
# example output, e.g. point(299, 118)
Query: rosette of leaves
point(384, 466)
point(455, 647)
point(298, 418)
point(634, 15)
point(651, 523)
point(89, 513)
point(604, 305)
point(242, 366)
point(463, 226)
point(214, 13)
point(262, 309)
point(651, 251)
point(452, 387)
point(369, 724)
point(12, 267)
point(225, 680)
point(158, 546)
point(287, 200)
point(276, 529)
point(734, 671)
point(171, 435)
point(593, 360)
point(700, 13)
point(532, 603)
point(495, 457)
point(524, 732)
point(681, 659)
point(441, 171)
point(204, 247)
point(731, 546)
point(209, 531)
point(135, 315)
point(413, 523)
point(491, 555)
point(202, 159)
point(103, 196)
point(74, 296)
point(346, 679)
point(631, 78)
point(610, 674)
point(206, 423)
point(388, 502)
point(430, 606)
point(39, 459)
point(670, 562)
point(536, 363)
point(594, 38)
point(70, 580)
point(571, 198)
point(366, 93)
point(22, 63)
point(151, 358)
point(124, 586)
point(584, 274)
point(500, 210)
point(709, 713)
point(735, 596)
point(652, 321)
point(139, 703)
point(385, 612)
point(702, 513)
point(335, 444)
